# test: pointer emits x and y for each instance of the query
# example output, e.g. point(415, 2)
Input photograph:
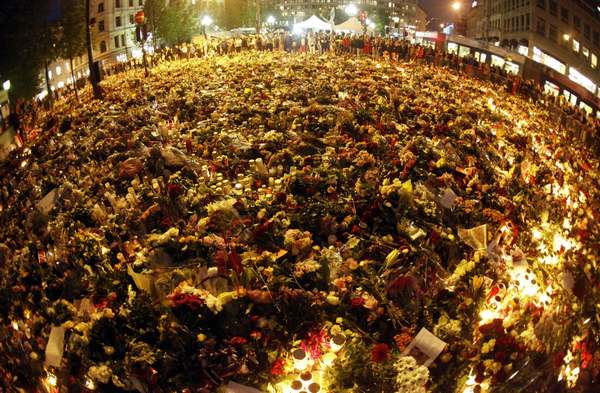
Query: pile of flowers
point(289, 224)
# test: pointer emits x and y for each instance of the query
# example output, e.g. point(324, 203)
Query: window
point(117, 3)
point(596, 38)
point(131, 20)
point(100, 7)
point(585, 52)
point(101, 25)
point(116, 41)
point(131, 3)
point(553, 33)
point(553, 6)
point(594, 61)
point(527, 22)
point(140, 2)
point(102, 46)
point(541, 4)
point(50, 74)
point(118, 21)
point(576, 23)
point(122, 39)
point(575, 46)
point(587, 32)
point(564, 14)
point(541, 27)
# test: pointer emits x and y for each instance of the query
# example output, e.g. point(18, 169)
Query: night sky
point(437, 9)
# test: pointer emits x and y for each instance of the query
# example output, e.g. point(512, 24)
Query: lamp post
point(351, 10)
point(206, 21)
point(459, 24)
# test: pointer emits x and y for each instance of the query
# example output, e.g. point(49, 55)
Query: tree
point(172, 24)
point(27, 35)
point(72, 40)
point(154, 11)
point(88, 39)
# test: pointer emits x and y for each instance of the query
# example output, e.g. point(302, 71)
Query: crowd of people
point(345, 44)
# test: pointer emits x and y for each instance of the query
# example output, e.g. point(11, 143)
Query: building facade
point(401, 14)
point(563, 35)
point(113, 40)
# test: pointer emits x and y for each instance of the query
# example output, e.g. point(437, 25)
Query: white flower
point(100, 373)
point(411, 377)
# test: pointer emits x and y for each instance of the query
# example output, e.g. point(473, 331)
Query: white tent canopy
point(352, 25)
point(313, 23)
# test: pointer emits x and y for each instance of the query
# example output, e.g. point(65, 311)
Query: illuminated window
point(588, 109)
point(452, 47)
point(58, 70)
point(585, 52)
point(551, 88)
point(581, 80)
point(497, 61)
point(523, 50)
point(50, 74)
point(575, 46)
point(594, 61)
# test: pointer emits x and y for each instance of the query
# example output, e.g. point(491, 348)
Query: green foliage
point(172, 24)
point(72, 28)
point(27, 32)
point(237, 13)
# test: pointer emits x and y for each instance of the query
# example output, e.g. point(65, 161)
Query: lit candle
point(89, 384)
point(337, 342)
point(51, 379)
point(300, 359)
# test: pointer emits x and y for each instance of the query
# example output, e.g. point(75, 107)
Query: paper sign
point(144, 282)
point(475, 237)
point(233, 387)
point(46, 204)
point(448, 198)
point(86, 307)
point(55, 347)
point(425, 347)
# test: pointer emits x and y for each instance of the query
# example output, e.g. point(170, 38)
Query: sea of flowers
point(279, 223)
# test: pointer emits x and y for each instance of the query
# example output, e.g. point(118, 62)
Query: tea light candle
point(300, 359)
point(337, 342)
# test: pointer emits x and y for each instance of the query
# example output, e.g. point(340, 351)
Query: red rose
point(238, 340)
point(278, 367)
point(380, 353)
point(357, 302)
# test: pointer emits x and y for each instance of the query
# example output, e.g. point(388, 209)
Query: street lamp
point(271, 20)
point(566, 37)
point(6, 85)
point(456, 6)
point(206, 21)
point(351, 10)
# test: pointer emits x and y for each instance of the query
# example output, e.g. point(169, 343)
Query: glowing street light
point(271, 20)
point(6, 85)
point(206, 21)
point(442, 25)
point(351, 10)
point(566, 37)
point(456, 6)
